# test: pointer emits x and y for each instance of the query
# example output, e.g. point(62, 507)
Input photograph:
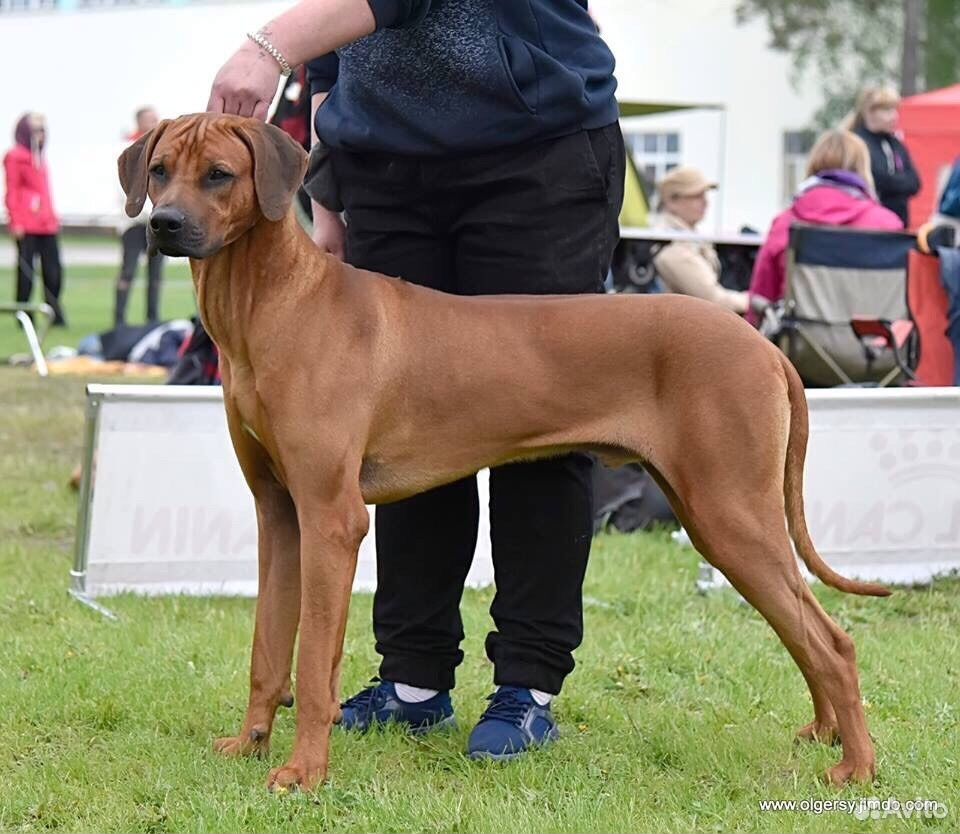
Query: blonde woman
point(874, 121)
point(838, 191)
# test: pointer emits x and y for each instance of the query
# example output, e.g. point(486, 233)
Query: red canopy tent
point(931, 131)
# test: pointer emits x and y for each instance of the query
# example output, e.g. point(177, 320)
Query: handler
point(474, 147)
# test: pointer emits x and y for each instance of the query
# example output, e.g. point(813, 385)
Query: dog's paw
point(254, 743)
point(294, 776)
point(847, 772)
point(823, 733)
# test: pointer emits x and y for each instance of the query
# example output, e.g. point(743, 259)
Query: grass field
point(88, 300)
point(679, 717)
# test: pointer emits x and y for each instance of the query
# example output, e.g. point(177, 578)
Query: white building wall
point(693, 51)
point(89, 70)
point(702, 138)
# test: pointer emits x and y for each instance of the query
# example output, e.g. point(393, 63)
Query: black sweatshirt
point(893, 173)
point(442, 77)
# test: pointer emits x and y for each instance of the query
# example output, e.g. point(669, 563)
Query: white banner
point(882, 482)
point(169, 511)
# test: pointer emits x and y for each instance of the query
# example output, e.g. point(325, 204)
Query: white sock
point(414, 694)
point(542, 698)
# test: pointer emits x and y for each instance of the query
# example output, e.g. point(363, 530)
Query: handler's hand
point(329, 231)
point(246, 84)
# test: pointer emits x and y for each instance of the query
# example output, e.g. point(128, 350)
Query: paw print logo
point(918, 456)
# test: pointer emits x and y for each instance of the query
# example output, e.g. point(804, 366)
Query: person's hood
point(23, 132)
point(833, 198)
point(26, 136)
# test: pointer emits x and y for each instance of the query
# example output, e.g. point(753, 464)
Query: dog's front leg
point(278, 596)
point(275, 631)
point(330, 536)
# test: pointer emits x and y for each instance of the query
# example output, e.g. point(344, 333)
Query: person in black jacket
point(473, 146)
point(874, 121)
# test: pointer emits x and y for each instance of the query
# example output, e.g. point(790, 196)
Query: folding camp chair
point(844, 319)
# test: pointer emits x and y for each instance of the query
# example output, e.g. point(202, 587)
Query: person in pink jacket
point(838, 191)
point(32, 217)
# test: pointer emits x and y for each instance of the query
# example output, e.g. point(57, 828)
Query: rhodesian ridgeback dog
point(343, 388)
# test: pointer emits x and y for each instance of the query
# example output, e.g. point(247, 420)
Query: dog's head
point(210, 178)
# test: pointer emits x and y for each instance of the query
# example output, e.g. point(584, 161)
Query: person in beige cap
point(691, 267)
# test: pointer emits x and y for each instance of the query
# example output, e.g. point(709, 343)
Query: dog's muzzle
point(171, 233)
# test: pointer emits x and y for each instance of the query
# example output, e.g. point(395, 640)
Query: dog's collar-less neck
point(244, 275)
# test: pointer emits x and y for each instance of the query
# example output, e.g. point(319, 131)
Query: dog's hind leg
point(736, 520)
point(750, 546)
point(823, 728)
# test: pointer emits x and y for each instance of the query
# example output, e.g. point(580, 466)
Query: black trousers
point(47, 248)
point(534, 219)
point(134, 243)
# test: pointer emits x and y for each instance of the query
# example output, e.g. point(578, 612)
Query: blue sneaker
point(379, 704)
point(512, 724)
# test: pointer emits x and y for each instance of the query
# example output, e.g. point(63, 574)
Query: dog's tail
point(793, 494)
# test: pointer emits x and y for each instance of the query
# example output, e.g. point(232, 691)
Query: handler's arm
point(247, 83)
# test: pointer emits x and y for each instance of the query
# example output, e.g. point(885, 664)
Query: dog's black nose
point(166, 221)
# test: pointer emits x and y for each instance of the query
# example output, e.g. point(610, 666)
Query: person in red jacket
point(838, 191)
point(33, 219)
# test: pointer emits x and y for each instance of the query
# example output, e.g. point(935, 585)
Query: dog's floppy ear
point(279, 164)
point(132, 167)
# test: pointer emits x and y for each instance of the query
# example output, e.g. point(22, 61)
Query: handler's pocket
point(520, 71)
point(586, 163)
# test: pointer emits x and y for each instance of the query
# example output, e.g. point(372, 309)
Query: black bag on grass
point(628, 499)
point(199, 363)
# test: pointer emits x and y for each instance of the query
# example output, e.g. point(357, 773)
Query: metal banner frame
point(96, 396)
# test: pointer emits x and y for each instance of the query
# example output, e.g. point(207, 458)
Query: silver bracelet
point(260, 40)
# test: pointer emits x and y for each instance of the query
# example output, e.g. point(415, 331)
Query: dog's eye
point(218, 175)
point(158, 170)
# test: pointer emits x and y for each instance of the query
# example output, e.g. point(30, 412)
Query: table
point(633, 260)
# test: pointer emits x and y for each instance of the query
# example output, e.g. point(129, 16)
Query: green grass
point(88, 298)
point(679, 716)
